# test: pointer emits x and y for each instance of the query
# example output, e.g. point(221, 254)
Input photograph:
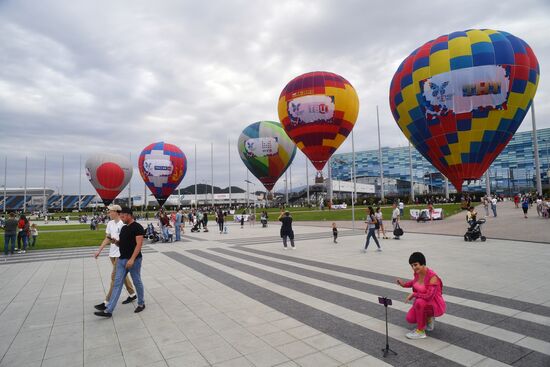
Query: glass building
point(512, 171)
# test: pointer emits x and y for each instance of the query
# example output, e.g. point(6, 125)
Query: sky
point(80, 77)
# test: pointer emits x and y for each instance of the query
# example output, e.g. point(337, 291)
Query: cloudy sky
point(77, 77)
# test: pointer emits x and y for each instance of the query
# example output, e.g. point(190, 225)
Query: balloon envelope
point(460, 98)
point(109, 174)
point(162, 167)
point(318, 111)
point(266, 151)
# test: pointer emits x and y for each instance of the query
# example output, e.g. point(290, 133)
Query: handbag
point(398, 231)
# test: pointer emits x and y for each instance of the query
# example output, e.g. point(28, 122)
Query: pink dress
point(428, 301)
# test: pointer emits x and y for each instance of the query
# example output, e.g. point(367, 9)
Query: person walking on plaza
point(428, 297)
point(177, 224)
point(539, 205)
point(486, 205)
point(334, 232)
point(129, 242)
point(525, 205)
point(380, 224)
point(401, 208)
point(112, 234)
point(396, 214)
point(205, 221)
point(34, 234)
point(220, 218)
point(286, 229)
point(371, 229)
point(24, 231)
point(494, 205)
point(516, 200)
point(10, 233)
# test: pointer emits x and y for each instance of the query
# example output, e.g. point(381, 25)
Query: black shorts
point(525, 210)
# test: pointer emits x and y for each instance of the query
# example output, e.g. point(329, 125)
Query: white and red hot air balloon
point(109, 174)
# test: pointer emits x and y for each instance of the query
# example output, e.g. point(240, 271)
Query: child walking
point(34, 234)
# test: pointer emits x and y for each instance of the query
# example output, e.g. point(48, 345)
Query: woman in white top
point(371, 229)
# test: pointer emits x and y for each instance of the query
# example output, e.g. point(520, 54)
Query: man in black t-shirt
point(129, 243)
point(286, 229)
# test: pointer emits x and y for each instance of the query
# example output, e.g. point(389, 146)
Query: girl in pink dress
point(428, 298)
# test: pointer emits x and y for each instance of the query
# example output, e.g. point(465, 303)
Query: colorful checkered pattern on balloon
point(460, 98)
point(266, 150)
point(318, 111)
point(162, 167)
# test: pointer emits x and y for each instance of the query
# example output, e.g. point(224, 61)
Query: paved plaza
point(238, 299)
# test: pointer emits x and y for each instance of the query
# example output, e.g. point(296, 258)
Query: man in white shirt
point(401, 208)
point(396, 214)
point(111, 235)
point(494, 205)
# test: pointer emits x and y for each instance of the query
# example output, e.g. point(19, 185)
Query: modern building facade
point(512, 171)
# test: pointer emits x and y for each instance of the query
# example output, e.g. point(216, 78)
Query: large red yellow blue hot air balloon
point(318, 111)
point(266, 150)
point(162, 167)
point(460, 98)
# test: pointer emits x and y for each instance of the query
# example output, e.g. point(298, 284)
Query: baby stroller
point(196, 227)
point(474, 231)
point(151, 234)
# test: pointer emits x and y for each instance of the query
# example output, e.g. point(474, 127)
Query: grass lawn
point(60, 239)
point(62, 236)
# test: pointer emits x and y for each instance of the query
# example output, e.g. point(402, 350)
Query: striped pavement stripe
point(523, 315)
point(464, 293)
point(297, 237)
point(355, 335)
point(473, 321)
point(62, 254)
point(531, 329)
point(462, 337)
point(486, 340)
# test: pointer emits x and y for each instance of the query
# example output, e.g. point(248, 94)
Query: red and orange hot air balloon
point(318, 111)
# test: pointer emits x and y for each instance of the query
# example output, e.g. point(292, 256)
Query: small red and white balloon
point(109, 174)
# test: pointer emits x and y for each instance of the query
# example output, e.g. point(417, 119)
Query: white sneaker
point(430, 326)
point(284, 248)
point(379, 249)
point(293, 247)
point(416, 334)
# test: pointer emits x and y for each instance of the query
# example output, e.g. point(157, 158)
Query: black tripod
point(386, 302)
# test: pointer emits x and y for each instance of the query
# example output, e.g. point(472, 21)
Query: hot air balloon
point(162, 167)
point(460, 98)
point(109, 174)
point(318, 111)
point(266, 151)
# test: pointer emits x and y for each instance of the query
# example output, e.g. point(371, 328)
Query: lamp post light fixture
point(254, 185)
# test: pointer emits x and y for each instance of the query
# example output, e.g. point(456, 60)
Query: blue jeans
point(494, 209)
point(372, 234)
point(24, 239)
point(165, 233)
point(120, 275)
point(178, 231)
point(9, 237)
